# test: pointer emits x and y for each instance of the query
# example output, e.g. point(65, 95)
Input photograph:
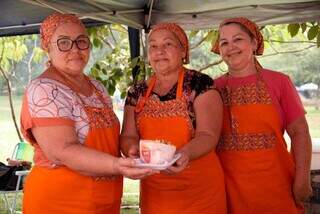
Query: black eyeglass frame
point(72, 42)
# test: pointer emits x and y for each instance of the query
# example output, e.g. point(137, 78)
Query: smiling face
point(165, 52)
point(73, 61)
point(236, 47)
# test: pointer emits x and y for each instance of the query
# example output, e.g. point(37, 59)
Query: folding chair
point(22, 151)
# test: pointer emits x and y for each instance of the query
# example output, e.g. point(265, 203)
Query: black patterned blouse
point(194, 84)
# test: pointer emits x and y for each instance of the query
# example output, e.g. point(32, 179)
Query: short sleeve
point(134, 93)
point(220, 82)
point(48, 100)
point(45, 104)
point(199, 82)
point(290, 101)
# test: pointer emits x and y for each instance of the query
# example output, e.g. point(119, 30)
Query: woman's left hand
point(127, 167)
point(302, 190)
point(179, 165)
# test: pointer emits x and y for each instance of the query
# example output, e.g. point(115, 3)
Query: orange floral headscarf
point(178, 32)
point(250, 26)
point(51, 23)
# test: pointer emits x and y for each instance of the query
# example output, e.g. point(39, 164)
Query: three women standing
point(68, 118)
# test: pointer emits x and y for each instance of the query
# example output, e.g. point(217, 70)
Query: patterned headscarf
point(178, 32)
point(250, 26)
point(51, 23)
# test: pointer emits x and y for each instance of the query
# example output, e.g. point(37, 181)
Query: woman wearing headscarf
point(68, 118)
point(182, 107)
point(259, 105)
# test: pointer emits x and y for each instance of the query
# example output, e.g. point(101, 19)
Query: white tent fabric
point(24, 16)
point(263, 12)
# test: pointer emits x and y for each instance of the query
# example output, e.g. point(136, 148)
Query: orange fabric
point(197, 189)
point(51, 23)
point(178, 32)
point(257, 180)
point(250, 26)
point(52, 121)
point(62, 190)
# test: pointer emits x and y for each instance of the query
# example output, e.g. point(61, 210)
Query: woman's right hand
point(131, 150)
point(126, 167)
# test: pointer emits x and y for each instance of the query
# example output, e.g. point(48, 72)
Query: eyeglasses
point(66, 44)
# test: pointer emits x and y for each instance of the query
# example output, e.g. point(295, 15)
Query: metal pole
point(134, 42)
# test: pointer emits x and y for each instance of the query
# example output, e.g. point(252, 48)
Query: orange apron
point(63, 191)
point(197, 189)
point(258, 168)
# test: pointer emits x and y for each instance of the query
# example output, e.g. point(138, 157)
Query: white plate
point(141, 164)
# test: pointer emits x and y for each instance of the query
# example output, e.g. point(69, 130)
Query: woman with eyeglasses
point(68, 118)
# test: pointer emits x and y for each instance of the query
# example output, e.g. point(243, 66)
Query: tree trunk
point(30, 60)
point(11, 103)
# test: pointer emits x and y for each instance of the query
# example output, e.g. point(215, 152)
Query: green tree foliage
point(294, 49)
point(310, 70)
point(11, 51)
point(312, 29)
point(20, 59)
point(200, 43)
point(114, 70)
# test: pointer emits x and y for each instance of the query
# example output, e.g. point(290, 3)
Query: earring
point(49, 63)
point(184, 60)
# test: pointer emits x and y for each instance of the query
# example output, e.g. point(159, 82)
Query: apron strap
point(179, 91)
point(142, 100)
point(97, 92)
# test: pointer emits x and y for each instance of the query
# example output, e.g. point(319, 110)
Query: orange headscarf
point(250, 26)
point(51, 23)
point(179, 34)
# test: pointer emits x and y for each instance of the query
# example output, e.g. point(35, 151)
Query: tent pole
point(134, 42)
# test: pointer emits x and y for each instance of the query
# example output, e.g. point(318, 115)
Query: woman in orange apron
point(261, 175)
point(69, 120)
point(179, 106)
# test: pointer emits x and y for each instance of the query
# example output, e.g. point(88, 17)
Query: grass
point(8, 135)
point(313, 118)
point(131, 190)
